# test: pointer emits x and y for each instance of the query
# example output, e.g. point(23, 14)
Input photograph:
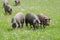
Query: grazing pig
point(7, 7)
point(17, 2)
point(18, 20)
point(44, 20)
point(32, 20)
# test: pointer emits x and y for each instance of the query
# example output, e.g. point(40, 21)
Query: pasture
point(51, 8)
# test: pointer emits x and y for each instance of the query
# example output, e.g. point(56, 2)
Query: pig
point(17, 2)
point(32, 20)
point(7, 7)
point(18, 20)
point(45, 21)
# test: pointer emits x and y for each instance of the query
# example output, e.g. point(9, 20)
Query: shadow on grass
point(16, 5)
point(10, 29)
point(7, 14)
point(27, 28)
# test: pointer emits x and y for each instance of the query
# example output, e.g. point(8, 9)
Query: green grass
point(51, 8)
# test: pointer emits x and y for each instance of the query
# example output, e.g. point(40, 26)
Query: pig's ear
point(34, 21)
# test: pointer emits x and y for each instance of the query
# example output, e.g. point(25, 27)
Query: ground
point(51, 8)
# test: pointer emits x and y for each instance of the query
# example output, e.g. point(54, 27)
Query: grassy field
point(51, 8)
